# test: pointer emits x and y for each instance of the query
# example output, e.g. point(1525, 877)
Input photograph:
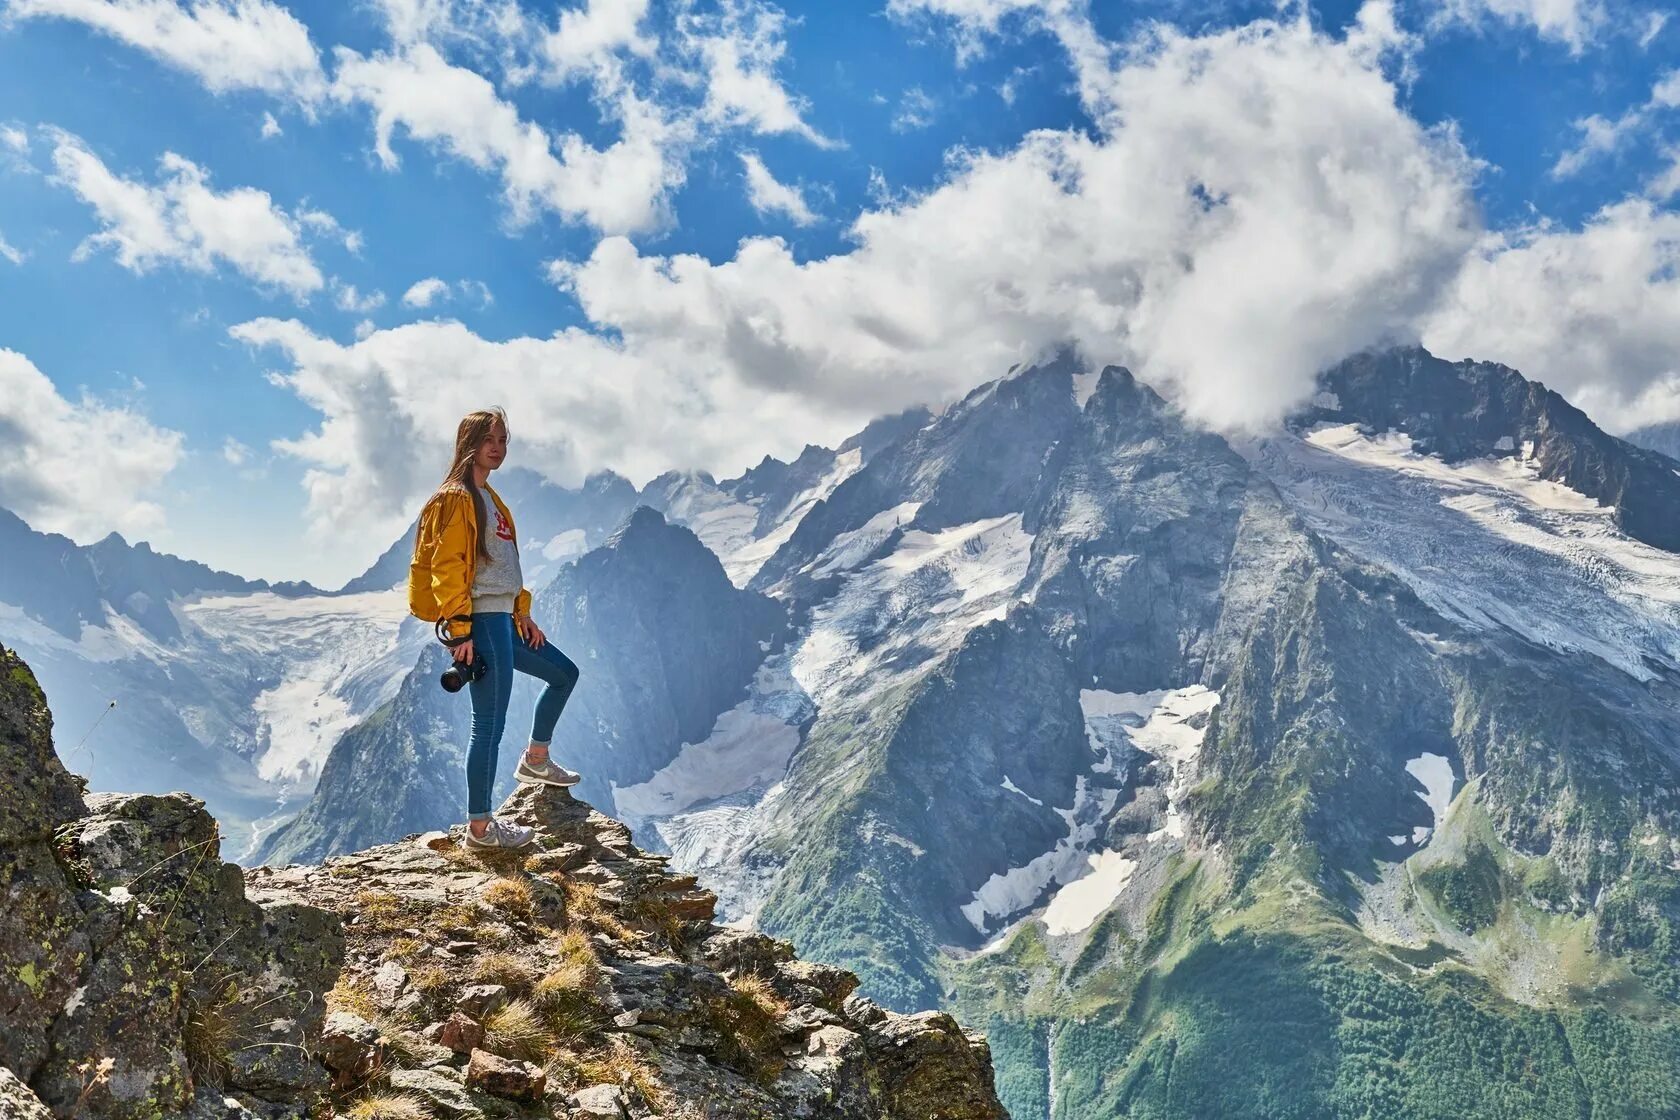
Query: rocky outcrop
point(142, 977)
point(138, 976)
point(582, 978)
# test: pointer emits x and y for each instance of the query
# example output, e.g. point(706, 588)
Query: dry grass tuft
point(405, 949)
point(653, 911)
point(428, 979)
point(618, 1062)
point(747, 1019)
point(757, 989)
point(583, 904)
point(379, 911)
point(517, 1030)
point(389, 1106)
point(510, 896)
point(355, 996)
point(208, 1035)
point(508, 969)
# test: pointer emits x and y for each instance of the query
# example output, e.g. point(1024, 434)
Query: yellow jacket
point(440, 576)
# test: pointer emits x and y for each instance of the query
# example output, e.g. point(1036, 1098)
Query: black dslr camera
point(458, 676)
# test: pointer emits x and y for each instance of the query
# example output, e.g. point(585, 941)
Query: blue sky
point(942, 187)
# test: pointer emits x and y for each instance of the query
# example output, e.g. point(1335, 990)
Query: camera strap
point(443, 637)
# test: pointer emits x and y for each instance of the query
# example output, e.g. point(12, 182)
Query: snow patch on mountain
point(336, 657)
point(743, 561)
point(1162, 723)
point(745, 749)
point(119, 638)
point(910, 606)
point(1073, 908)
point(1009, 892)
point(1487, 543)
point(1013, 788)
point(1434, 773)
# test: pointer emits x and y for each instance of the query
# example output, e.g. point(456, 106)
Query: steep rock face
point(1468, 409)
point(664, 643)
point(141, 977)
point(127, 946)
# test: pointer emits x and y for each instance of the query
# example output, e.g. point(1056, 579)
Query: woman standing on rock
point(465, 572)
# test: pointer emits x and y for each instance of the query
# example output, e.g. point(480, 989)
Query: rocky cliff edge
point(142, 977)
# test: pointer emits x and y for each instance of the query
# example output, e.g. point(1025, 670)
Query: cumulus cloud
point(739, 47)
point(9, 251)
point(226, 44)
point(78, 467)
point(1256, 207)
point(770, 196)
point(183, 220)
point(1594, 312)
point(424, 292)
point(234, 452)
point(270, 127)
point(589, 40)
point(624, 187)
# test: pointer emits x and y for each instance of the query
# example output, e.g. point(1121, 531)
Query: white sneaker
point(547, 772)
point(500, 834)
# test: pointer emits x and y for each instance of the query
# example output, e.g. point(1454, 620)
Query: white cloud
point(347, 298)
point(769, 196)
point(1594, 313)
point(78, 468)
point(270, 127)
point(478, 290)
point(183, 220)
point(10, 252)
point(326, 225)
point(1654, 23)
point(15, 139)
point(1601, 136)
point(972, 21)
point(622, 188)
point(235, 452)
point(1257, 206)
point(1574, 23)
point(915, 110)
point(423, 292)
point(588, 40)
point(227, 44)
point(739, 46)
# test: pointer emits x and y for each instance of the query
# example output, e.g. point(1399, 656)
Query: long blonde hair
point(474, 429)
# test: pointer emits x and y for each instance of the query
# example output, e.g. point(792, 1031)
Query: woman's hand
point(463, 652)
point(529, 630)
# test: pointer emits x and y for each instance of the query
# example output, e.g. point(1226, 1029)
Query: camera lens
point(458, 675)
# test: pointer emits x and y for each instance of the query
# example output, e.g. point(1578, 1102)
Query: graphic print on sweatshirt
point(503, 529)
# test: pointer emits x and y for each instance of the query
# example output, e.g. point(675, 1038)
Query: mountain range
point(1128, 742)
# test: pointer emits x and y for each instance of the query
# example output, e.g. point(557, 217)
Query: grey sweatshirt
point(496, 582)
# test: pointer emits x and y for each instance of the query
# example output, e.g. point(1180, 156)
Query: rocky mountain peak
point(141, 977)
point(1471, 409)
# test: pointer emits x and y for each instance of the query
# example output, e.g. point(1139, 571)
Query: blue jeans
point(495, 640)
